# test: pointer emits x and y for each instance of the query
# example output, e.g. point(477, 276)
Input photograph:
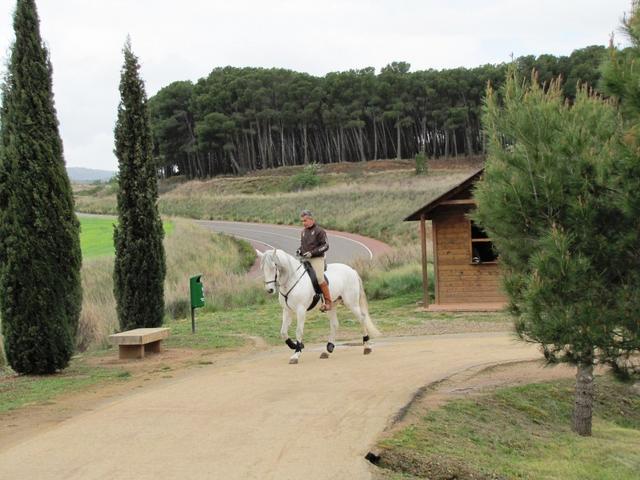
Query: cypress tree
point(40, 259)
point(552, 203)
point(139, 269)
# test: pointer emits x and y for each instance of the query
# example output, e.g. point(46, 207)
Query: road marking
point(250, 240)
point(266, 232)
point(356, 241)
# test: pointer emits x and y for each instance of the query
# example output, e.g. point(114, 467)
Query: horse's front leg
point(284, 329)
point(333, 327)
point(301, 314)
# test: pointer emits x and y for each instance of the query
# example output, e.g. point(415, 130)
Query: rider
point(313, 247)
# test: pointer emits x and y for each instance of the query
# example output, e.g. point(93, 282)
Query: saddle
point(314, 281)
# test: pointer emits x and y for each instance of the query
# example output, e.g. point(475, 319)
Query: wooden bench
point(134, 343)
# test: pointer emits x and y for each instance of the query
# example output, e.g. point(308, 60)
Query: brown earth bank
point(441, 163)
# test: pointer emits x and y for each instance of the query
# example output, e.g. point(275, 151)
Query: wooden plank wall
point(458, 280)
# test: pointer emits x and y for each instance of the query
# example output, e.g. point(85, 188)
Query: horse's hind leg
point(333, 327)
point(361, 316)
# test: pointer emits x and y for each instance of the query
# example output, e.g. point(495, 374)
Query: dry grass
point(372, 204)
point(190, 250)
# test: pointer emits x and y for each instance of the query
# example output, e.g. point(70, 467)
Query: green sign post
point(197, 298)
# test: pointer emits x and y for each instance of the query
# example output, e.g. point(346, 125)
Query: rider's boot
point(327, 297)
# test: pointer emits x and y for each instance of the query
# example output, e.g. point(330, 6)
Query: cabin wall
point(458, 281)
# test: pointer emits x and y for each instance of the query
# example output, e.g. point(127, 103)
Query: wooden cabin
point(467, 276)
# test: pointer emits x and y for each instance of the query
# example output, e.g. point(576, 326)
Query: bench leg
point(153, 347)
point(127, 352)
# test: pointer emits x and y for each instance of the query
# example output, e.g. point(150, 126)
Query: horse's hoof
point(293, 361)
point(324, 355)
point(367, 350)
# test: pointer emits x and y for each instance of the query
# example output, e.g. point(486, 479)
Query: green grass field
point(96, 236)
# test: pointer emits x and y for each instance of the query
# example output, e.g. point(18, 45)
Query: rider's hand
point(307, 255)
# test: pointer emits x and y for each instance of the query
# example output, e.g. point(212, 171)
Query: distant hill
point(85, 175)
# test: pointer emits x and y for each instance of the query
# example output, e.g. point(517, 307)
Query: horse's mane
point(280, 258)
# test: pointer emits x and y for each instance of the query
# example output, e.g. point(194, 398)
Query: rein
point(275, 280)
point(286, 295)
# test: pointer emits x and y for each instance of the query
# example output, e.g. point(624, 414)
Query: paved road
point(256, 416)
point(343, 247)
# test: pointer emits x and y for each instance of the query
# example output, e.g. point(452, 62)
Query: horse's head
point(269, 267)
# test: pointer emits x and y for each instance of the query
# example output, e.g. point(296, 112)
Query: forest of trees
point(241, 119)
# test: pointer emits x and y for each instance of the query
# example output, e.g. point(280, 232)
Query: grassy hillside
point(221, 259)
point(521, 432)
point(371, 199)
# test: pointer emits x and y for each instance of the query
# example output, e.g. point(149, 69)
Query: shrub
point(307, 178)
point(421, 164)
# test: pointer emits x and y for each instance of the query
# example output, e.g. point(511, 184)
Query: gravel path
point(256, 417)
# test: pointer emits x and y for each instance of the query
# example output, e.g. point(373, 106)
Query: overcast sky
point(186, 39)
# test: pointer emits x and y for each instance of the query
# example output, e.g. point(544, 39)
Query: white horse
point(286, 275)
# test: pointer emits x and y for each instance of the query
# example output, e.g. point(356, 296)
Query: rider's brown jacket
point(314, 240)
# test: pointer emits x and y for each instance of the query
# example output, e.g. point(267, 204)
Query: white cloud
point(185, 40)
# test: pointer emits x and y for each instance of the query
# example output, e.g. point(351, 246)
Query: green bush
point(307, 178)
point(402, 280)
point(421, 164)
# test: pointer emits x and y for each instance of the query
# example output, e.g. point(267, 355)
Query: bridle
point(277, 285)
point(275, 278)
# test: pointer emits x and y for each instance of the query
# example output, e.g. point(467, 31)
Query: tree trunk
point(261, 149)
point(272, 154)
point(235, 165)
point(375, 139)
point(583, 406)
point(435, 141)
point(384, 140)
point(283, 162)
point(398, 149)
point(469, 143)
point(446, 143)
point(455, 143)
point(294, 148)
point(305, 141)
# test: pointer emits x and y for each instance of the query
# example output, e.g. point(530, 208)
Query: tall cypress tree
point(40, 259)
point(140, 261)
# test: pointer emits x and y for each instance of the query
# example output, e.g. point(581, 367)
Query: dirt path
point(256, 417)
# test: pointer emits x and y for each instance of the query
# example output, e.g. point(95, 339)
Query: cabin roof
point(429, 207)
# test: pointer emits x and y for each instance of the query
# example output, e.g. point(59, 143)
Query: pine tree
point(549, 200)
point(139, 269)
point(40, 259)
point(621, 80)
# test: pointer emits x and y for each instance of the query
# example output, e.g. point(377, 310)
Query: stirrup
point(324, 308)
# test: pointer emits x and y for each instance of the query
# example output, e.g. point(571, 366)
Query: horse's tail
point(364, 307)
